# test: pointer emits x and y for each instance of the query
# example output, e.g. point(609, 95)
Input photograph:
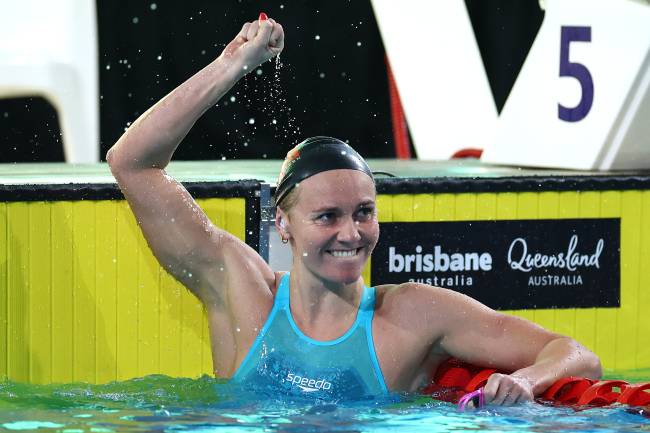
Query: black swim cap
point(313, 156)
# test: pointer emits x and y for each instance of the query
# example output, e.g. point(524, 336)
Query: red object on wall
point(400, 129)
point(468, 153)
point(453, 379)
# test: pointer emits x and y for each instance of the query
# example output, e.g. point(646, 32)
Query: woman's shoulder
point(410, 299)
point(410, 311)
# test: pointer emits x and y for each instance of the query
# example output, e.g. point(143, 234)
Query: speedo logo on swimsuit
point(306, 384)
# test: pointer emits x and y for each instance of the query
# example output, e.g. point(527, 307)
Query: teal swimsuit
point(284, 360)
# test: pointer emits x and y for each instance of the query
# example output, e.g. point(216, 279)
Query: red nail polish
point(263, 16)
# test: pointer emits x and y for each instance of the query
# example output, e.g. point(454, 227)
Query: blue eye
point(366, 212)
point(326, 217)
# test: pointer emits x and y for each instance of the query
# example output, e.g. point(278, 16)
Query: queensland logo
point(306, 384)
point(520, 259)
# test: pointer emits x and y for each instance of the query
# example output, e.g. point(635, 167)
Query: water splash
point(264, 100)
point(287, 131)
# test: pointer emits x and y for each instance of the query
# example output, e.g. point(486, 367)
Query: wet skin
point(333, 229)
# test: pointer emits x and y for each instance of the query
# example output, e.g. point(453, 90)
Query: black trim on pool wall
point(110, 191)
point(252, 225)
point(512, 184)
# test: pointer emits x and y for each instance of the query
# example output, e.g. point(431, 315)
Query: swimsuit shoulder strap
point(367, 312)
point(282, 295)
point(367, 305)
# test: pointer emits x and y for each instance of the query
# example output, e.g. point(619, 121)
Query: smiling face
point(333, 225)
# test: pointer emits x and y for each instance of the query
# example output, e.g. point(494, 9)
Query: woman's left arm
point(472, 332)
point(560, 357)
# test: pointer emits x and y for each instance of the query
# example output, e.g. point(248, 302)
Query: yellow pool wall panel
point(83, 299)
point(620, 336)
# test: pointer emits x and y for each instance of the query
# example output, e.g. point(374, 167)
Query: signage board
point(513, 264)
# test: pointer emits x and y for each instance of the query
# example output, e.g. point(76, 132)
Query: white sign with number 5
point(582, 98)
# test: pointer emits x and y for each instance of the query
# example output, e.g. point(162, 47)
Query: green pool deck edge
point(266, 171)
point(184, 171)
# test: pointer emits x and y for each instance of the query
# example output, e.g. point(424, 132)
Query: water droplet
point(251, 121)
point(233, 99)
point(259, 71)
point(281, 6)
point(108, 66)
point(322, 75)
point(317, 37)
point(159, 57)
point(135, 20)
point(358, 43)
point(153, 6)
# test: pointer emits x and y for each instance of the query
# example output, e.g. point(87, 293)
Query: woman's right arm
point(200, 255)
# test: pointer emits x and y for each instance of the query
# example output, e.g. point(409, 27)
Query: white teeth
point(344, 253)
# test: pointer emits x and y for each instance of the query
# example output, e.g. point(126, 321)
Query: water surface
point(164, 404)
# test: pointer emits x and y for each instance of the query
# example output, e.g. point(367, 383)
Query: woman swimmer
point(317, 331)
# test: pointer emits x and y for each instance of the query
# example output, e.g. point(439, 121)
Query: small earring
point(285, 241)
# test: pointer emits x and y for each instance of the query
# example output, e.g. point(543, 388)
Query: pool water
point(164, 404)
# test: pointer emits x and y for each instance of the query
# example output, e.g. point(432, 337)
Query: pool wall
point(83, 299)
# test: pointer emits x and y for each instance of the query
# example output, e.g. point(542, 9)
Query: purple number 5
point(576, 70)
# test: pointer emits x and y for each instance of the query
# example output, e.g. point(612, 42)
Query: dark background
point(335, 85)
